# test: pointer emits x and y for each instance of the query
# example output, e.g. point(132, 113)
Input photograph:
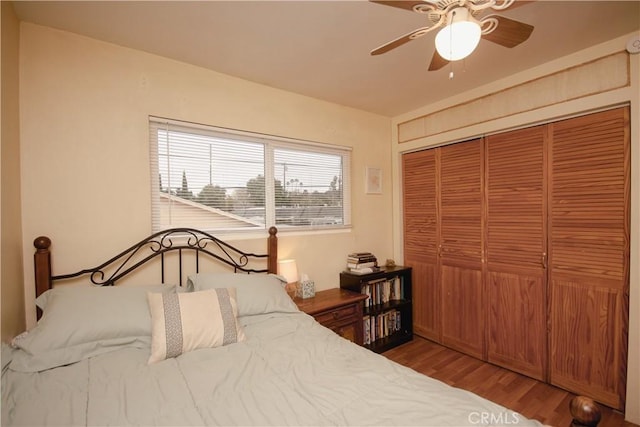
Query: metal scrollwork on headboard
point(178, 240)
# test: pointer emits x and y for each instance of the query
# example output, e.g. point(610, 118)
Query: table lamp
point(288, 269)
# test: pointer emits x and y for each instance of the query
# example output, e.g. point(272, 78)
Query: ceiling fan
point(461, 27)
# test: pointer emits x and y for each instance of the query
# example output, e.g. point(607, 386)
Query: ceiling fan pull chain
point(453, 13)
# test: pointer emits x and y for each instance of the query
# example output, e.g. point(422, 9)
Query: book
point(360, 271)
point(367, 330)
point(396, 291)
point(362, 260)
point(361, 265)
point(360, 254)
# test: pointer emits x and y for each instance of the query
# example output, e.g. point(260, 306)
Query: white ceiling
point(321, 48)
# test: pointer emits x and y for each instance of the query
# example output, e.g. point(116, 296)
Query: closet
point(519, 244)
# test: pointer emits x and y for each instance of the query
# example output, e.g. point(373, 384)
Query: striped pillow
point(183, 322)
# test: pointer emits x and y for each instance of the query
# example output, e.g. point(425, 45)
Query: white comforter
point(290, 371)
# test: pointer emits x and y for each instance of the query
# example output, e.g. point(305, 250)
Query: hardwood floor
point(531, 398)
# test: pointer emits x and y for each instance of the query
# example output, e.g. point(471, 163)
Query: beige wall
point(84, 107)
point(586, 85)
point(11, 280)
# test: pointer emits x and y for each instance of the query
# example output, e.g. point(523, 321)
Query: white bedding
point(289, 371)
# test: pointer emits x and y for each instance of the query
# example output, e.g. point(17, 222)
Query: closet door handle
point(543, 260)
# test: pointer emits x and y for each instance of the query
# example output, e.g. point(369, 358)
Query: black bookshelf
point(388, 308)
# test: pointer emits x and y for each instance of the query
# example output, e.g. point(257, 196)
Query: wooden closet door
point(461, 244)
point(516, 250)
point(589, 257)
point(420, 214)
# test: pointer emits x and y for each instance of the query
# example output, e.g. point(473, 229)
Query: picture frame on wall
point(373, 180)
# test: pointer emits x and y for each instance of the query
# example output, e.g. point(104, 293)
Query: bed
point(205, 347)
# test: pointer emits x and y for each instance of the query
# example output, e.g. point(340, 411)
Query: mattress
point(289, 370)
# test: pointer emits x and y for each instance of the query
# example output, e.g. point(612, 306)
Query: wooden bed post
point(272, 250)
point(584, 411)
point(42, 266)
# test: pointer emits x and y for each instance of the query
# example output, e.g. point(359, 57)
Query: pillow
point(44, 298)
point(257, 293)
point(80, 322)
point(184, 322)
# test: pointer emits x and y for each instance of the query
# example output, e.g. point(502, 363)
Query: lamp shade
point(460, 37)
point(288, 269)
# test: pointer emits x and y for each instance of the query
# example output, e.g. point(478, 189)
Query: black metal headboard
point(158, 245)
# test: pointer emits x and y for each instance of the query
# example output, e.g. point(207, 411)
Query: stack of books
point(362, 263)
point(381, 291)
point(379, 326)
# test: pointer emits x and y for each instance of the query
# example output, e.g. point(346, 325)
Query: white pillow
point(184, 322)
point(257, 293)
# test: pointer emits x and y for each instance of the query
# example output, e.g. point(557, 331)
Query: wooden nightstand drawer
point(349, 313)
point(338, 310)
point(349, 331)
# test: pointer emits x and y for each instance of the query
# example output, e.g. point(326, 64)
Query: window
point(224, 180)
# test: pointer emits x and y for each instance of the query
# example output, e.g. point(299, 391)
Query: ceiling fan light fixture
point(460, 37)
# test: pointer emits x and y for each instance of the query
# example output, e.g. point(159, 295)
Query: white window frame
point(271, 143)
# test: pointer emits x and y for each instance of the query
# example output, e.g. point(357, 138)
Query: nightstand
point(338, 310)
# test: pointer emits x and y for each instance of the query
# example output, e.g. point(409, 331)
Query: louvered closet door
point(461, 225)
point(516, 250)
point(420, 239)
point(589, 258)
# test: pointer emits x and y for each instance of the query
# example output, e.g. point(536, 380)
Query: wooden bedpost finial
point(272, 250)
point(584, 411)
point(42, 267)
point(42, 243)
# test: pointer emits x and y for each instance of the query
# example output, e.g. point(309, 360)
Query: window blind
point(226, 180)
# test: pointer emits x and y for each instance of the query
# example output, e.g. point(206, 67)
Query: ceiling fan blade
point(401, 40)
point(407, 5)
point(508, 33)
point(437, 61)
